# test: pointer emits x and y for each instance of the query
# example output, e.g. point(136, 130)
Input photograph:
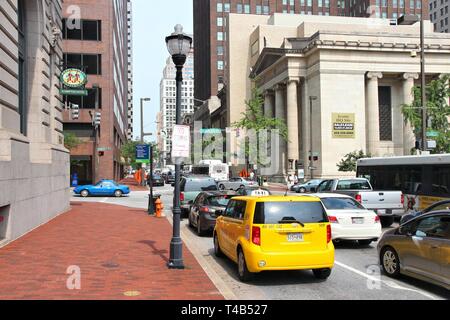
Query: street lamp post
point(179, 45)
point(143, 135)
point(423, 80)
point(311, 159)
point(96, 87)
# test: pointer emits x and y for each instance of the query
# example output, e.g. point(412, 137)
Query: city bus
point(213, 168)
point(423, 180)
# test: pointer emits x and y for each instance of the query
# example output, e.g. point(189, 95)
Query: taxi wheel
point(217, 251)
point(322, 274)
point(390, 262)
point(84, 193)
point(243, 273)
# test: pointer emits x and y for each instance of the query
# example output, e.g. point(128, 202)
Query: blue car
point(103, 188)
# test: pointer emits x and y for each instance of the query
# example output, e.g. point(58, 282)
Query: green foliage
point(438, 110)
point(349, 162)
point(254, 119)
point(71, 141)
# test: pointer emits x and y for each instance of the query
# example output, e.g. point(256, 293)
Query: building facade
point(34, 165)
point(130, 70)
point(338, 90)
point(96, 39)
point(439, 15)
point(167, 116)
point(211, 21)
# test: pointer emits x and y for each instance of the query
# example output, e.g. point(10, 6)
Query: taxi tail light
point(333, 219)
point(358, 198)
point(182, 196)
point(256, 236)
point(377, 219)
point(328, 233)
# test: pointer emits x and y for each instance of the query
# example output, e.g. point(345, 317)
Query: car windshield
point(353, 185)
point(341, 204)
point(303, 212)
point(104, 183)
point(199, 185)
point(218, 201)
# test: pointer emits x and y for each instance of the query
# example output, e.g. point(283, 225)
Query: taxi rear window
point(276, 212)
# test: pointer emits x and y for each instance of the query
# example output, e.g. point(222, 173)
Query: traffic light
point(75, 111)
point(97, 119)
point(101, 153)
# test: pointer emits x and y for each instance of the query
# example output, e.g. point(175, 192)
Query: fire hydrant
point(158, 208)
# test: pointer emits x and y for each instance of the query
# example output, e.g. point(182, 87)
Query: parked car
point(419, 248)
point(235, 183)
point(203, 212)
point(275, 233)
point(102, 188)
point(309, 186)
point(190, 187)
point(170, 178)
point(350, 220)
point(158, 181)
point(253, 191)
point(386, 204)
point(438, 206)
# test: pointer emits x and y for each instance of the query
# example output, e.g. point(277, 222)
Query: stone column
point(292, 122)
point(268, 104)
point(280, 113)
point(409, 139)
point(373, 113)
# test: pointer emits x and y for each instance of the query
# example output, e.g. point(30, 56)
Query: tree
point(438, 110)
point(71, 141)
point(349, 162)
point(254, 119)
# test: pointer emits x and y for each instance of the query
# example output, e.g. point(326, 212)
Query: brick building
point(99, 44)
point(210, 25)
point(34, 165)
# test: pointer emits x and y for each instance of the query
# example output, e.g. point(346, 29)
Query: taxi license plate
point(358, 220)
point(295, 237)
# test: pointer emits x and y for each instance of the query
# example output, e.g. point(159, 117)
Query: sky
point(152, 22)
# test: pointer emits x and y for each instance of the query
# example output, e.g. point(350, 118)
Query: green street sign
point(432, 134)
point(73, 92)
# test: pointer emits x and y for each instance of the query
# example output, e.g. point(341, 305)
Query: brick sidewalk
point(118, 250)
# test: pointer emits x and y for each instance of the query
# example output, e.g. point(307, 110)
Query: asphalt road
point(356, 274)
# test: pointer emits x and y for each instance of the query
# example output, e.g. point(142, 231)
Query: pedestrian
point(252, 176)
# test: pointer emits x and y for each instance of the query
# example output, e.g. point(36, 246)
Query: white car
point(350, 220)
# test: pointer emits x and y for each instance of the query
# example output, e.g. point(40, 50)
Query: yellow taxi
point(275, 233)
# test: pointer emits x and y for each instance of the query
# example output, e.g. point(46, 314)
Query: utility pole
point(423, 80)
point(143, 135)
point(95, 133)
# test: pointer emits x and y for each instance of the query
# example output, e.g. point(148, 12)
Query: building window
point(90, 30)
point(385, 116)
point(220, 50)
point(226, 7)
point(219, 7)
point(258, 9)
point(22, 68)
point(266, 10)
point(219, 36)
point(247, 9)
point(239, 8)
point(91, 63)
point(394, 3)
point(220, 22)
point(220, 65)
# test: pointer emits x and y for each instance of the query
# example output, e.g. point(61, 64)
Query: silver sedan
point(235, 183)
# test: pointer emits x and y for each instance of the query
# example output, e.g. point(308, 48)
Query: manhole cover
point(132, 293)
point(110, 265)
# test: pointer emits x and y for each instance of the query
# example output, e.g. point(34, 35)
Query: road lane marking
point(390, 284)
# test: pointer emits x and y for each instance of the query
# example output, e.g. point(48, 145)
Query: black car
point(158, 181)
point(205, 209)
point(252, 190)
point(438, 206)
point(170, 178)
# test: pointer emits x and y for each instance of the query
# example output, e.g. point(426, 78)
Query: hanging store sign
point(73, 78)
point(343, 125)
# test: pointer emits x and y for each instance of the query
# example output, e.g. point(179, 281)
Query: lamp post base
point(176, 248)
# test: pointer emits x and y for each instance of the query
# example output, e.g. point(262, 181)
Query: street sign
point(104, 149)
point(431, 144)
point(211, 131)
point(142, 154)
point(432, 134)
point(181, 142)
point(73, 92)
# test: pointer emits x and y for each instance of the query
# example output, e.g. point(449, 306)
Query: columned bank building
point(338, 82)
